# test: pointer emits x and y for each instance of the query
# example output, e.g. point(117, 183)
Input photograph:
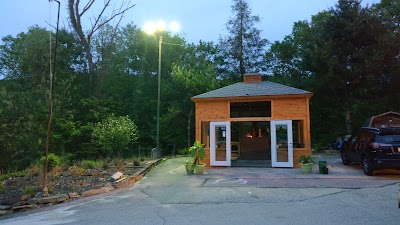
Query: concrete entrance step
point(251, 163)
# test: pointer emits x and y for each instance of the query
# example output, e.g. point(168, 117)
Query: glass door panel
point(220, 144)
point(281, 143)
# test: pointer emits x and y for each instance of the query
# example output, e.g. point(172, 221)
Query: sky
point(199, 19)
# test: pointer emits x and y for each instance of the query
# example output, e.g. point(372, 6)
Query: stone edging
point(25, 202)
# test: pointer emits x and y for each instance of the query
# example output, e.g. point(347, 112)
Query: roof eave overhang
point(252, 98)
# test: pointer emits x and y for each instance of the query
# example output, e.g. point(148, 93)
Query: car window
point(390, 138)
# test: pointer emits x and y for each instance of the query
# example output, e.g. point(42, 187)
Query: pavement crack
point(204, 182)
point(157, 212)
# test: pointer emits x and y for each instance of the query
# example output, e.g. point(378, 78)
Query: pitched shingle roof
point(242, 89)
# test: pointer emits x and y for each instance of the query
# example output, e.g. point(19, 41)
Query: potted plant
point(198, 153)
point(306, 163)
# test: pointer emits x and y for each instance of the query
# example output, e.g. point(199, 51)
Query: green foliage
point(197, 152)
point(183, 151)
point(347, 56)
point(2, 189)
point(136, 161)
point(243, 49)
point(114, 134)
point(29, 190)
point(53, 161)
point(14, 174)
point(90, 164)
point(305, 159)
point(319, 147)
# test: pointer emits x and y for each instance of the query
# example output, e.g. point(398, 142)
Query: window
point(250, 109)
point(298, 133)
point(205, 133)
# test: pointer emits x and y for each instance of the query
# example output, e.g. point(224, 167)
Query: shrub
point(114, 134)
point(120, 164)
point(305, 159)
point(29, 190)
point(136, 161)
point(34, 171)
point(89, 164)
point(11, 175)
point(55, 172)
point(53, 160)
point(76, 171)
point(183, 151)
point(2, 189)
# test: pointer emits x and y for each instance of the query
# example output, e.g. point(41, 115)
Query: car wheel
point(367, 167)
point(345, 159)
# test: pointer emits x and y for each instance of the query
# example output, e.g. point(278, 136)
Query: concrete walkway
point(340, 176)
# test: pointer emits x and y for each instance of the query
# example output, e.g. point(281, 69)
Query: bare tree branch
point(99, 21)
point(87, 7)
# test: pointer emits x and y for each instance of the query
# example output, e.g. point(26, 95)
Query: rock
point(4, 212)
point(127, 181)
point(5, 207)
point(23, 207)
point(50, 199)
point(19, 204)
point(96, 191)
point(74, 195)
point(13, 200)
point(116, 176)
point(25, 197)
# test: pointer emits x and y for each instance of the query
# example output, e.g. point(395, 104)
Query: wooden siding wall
point(296, 108)
point(210, 111)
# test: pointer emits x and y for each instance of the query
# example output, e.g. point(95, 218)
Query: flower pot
point(306, 167)
point(199, 168)
point(323, 169)
point(189, 168)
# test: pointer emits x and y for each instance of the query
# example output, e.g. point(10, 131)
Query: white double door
point(281, 143)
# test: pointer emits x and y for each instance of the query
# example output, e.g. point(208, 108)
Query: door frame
point(274, 155)
point(213, 161)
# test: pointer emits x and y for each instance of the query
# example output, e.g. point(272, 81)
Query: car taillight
point(376, 145)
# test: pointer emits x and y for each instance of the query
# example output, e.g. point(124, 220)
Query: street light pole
point(159, 91)
point(151, 28)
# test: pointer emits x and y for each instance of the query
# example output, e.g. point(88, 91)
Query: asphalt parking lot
point(238, 195)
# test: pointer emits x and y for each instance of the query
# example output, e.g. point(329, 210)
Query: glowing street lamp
point(151, 28)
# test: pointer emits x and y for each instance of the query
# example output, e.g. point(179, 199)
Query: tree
point(24, 64)
point(114, 134)
point(85, 37)
point(194, 75)
point(242, 51)
point(348, 57)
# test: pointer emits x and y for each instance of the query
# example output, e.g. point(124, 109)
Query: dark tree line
point(348, 56)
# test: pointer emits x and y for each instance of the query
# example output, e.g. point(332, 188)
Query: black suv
point(373, 148)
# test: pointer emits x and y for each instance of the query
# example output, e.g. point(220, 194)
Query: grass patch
point(136, 161)
point(90, 164)
point(15, 174)
point(29, 190)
